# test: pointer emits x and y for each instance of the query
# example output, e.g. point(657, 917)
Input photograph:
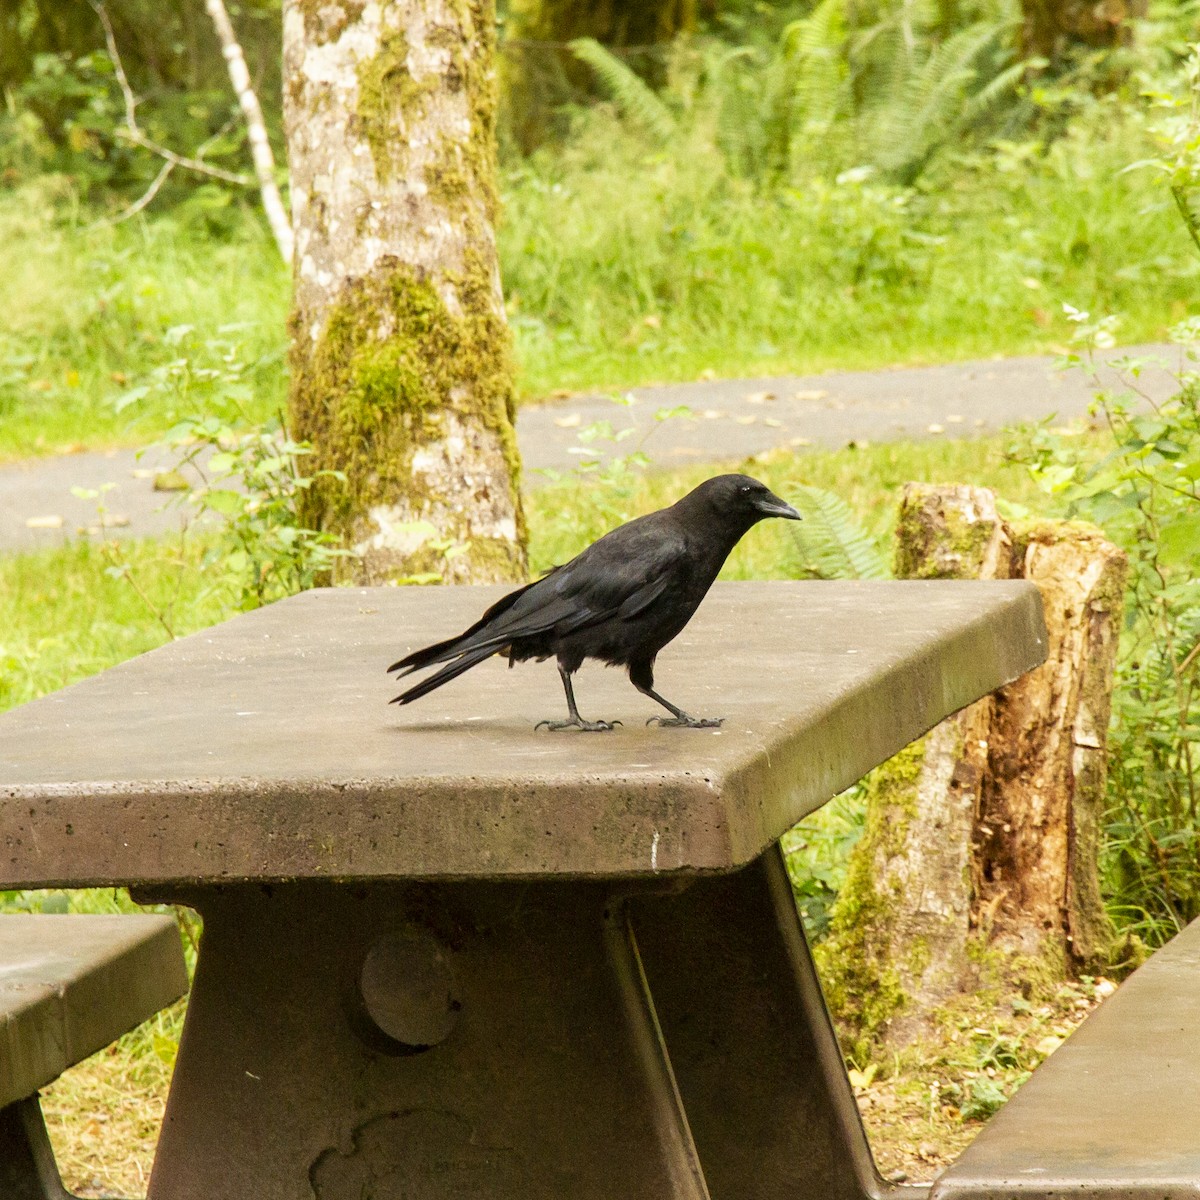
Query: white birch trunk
point(260, 146)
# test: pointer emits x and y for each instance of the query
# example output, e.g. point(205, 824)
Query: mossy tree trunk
point(982, 843)
point(401, 365)
point(1051, 28)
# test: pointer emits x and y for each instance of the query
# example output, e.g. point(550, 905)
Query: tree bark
point(902, 923)
point(1050, 28)
point(982, 842)
point(402, 375)
point(1038, 833)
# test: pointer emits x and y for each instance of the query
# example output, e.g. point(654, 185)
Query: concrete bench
point(69, 985)
point(1115, 1113)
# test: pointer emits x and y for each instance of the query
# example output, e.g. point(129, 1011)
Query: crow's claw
point(578, 723)
point(683, 721)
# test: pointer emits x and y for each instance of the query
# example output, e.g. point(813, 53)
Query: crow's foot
point(578, 723)
point(683, 721)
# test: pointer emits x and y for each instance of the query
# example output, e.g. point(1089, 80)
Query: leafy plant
point(830, 542)
point(251, 483)
point(1145, 491)
point(633, 96)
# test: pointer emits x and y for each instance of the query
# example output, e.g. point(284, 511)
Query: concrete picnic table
point(445, 955)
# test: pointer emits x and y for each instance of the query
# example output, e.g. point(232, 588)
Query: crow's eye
point(745, 489)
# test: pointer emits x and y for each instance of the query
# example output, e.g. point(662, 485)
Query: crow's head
point(742, 499)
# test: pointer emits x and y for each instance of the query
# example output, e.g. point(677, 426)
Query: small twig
point(118, 560)
point(1190, 658)
point(133, 131)
point(148, 195)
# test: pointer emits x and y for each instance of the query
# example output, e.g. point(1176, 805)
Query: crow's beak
point(770, 505)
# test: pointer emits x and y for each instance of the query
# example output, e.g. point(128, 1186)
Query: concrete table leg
point(27, 1167)
point(393, 1040)
point(751, 1045)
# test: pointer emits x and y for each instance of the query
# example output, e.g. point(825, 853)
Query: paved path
point(731, 421)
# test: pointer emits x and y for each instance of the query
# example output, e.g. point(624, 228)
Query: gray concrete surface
point(732, 420)
point(264, 747)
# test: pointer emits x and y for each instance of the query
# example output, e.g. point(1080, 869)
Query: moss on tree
point(391, 362)
point(862, 983)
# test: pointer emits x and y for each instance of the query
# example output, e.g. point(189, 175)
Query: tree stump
point(986, 833)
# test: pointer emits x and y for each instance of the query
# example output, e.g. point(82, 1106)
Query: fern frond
point(991, 95)
point(830, 541)
point(632, 95)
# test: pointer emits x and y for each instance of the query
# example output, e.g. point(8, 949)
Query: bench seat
point(1115, 1112)
point(69, 985)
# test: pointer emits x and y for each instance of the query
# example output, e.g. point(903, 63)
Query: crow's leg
point(574, 720)
point(641, 675)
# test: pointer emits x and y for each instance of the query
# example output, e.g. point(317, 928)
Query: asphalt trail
point(731, 421)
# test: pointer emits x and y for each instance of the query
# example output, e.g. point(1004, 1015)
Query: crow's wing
point(618, 576)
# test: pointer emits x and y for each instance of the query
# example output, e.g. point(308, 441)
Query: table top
point(265, 749)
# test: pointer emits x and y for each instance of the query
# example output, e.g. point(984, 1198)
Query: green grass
point(94, 312)
point(623, 264)
point(64, 616)
point(635, 267)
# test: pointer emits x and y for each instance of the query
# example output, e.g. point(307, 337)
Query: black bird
point(621, 600)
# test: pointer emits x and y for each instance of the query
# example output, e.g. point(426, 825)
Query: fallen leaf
point(937, 429)
point(800, 441)
point(569, 422)
point(170, 481)
point(712, 414)
point(810, 394)
point(1049, 1044)
point(955, 419)
point(50, 522)
point(746, 420)
point(758, 397)
point(774, 424)
point(707, 373)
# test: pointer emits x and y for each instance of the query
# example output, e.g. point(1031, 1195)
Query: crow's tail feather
point(452, 671)
point(429, 655)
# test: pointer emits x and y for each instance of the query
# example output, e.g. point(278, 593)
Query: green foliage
point(1145, 492)
point(816, 852)
point(252, 484)
point(626, 261)
point(830, 542)
point(113, 333)
point(636, 99)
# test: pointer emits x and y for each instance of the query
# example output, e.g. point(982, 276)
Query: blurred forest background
point(731, 187)
point(691, 189)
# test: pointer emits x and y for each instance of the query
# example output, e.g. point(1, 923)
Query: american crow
point(621, 600)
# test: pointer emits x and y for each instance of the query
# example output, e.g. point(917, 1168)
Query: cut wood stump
point(985, 835)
